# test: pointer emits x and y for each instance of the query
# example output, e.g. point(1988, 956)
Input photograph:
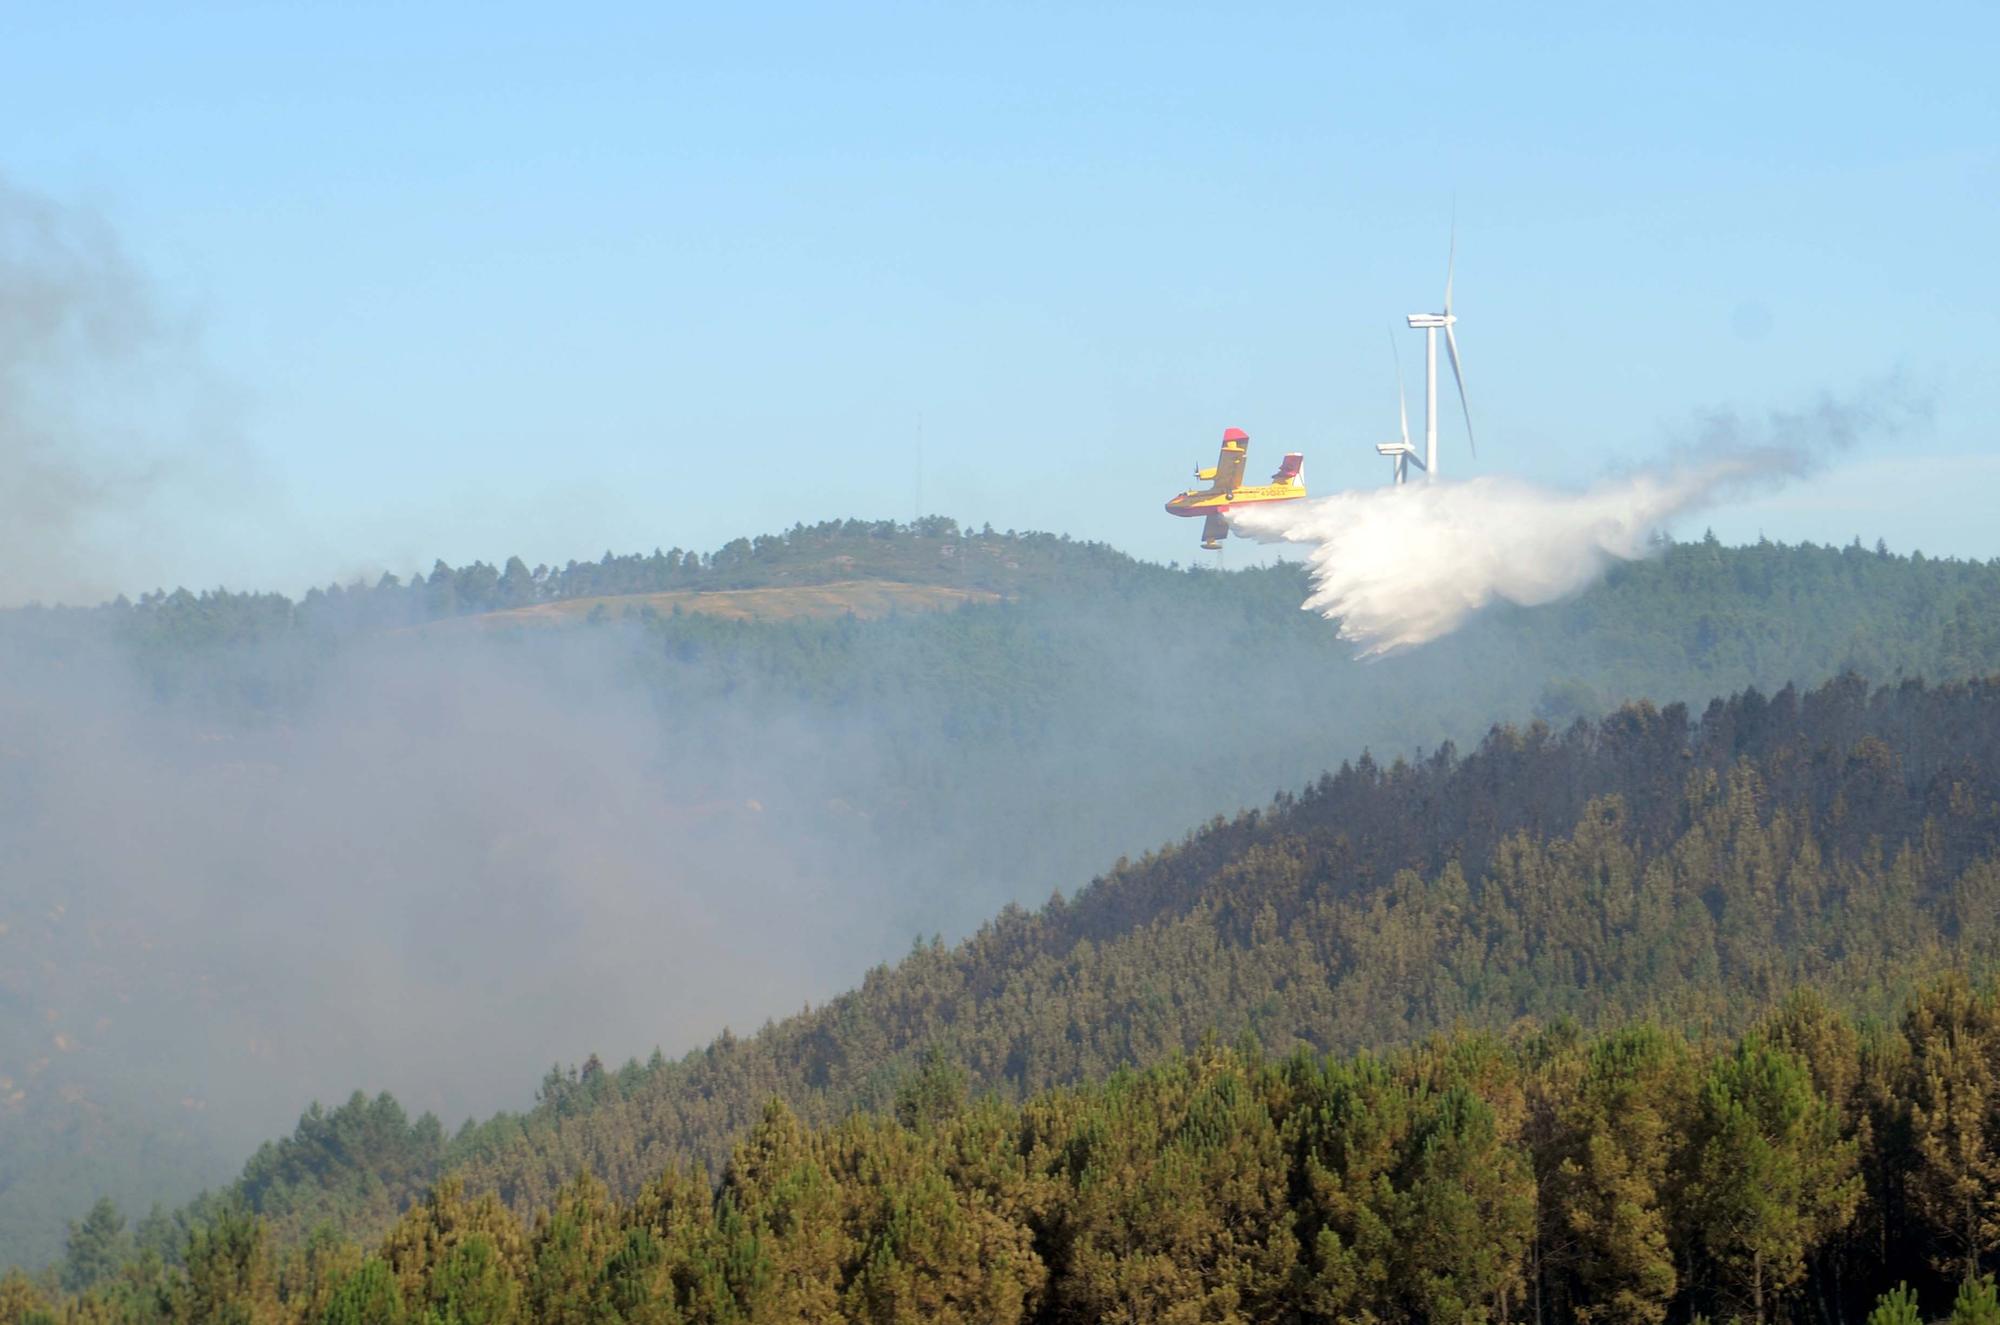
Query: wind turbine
point(1429, 323)
point(1401, 453)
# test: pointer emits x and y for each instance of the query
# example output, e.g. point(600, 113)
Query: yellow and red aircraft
point(1225, 490)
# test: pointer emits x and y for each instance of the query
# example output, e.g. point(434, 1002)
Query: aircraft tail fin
point(1292, 469)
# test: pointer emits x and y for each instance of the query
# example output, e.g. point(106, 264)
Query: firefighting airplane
point(1225, 493)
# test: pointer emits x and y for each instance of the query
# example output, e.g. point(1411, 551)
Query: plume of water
point(1401, 566)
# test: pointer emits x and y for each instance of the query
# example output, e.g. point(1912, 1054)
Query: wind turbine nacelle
point(1431, 319)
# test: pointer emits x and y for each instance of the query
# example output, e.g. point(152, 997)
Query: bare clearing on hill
point(866, 599)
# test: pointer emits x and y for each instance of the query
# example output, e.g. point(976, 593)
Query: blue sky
point(480, 280)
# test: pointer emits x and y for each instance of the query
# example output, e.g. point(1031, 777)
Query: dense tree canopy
point(1542, 1175)
point(1650, 863)
point(1843, 839)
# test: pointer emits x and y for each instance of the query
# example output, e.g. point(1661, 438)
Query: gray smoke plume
point(100, 402)
point(1399, 567)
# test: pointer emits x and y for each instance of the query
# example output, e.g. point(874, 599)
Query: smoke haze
point(435, 861)
point(1403, 566)
point(104, 407)
point(244, 868)
point(457, 862)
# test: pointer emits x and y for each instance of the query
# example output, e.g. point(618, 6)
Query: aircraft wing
point(1229, 465)
point(1213, 530)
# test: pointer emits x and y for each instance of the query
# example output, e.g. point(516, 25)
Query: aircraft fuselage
point(1226, 490)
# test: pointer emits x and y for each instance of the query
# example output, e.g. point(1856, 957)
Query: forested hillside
point(820, 790)
point(1698, 619)
point(1804, 1171)
point(1647, 866)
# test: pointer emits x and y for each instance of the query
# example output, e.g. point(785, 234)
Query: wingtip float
point(1226, 492)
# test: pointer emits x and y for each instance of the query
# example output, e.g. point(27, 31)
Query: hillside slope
point(1647, 865)
point(820, 790)
point(1810, 1169)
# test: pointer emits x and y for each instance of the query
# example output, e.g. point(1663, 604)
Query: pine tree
point(1611, 1186)
point(1347, 1127)
point(228, 1274)
point(925, 1248)
point(1769, 1176)
point(97, 1246)
point(571, 1247)
point(368, 1296)
point(1978, 1303)
point(1898, 1306)
point(635, 1286)
point(1954, 1116)
point(669, 1270)
point(462, 1259)
point(20, 1300)
point(471, 1286)
point(934, 1093)
point(310, 1277)
point(1465, 1216)
point(1176, 1198)
point(791, 1208)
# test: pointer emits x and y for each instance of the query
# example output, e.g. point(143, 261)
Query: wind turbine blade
point(1402, 401)
point(1451, 265)
point(1451, 345)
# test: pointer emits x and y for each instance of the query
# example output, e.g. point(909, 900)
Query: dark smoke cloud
point(1787, 444)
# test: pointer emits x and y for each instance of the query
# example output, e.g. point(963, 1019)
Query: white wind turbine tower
point(1430, 323)
point(1401, 453)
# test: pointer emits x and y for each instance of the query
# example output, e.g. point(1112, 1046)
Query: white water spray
point(1401, 566)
